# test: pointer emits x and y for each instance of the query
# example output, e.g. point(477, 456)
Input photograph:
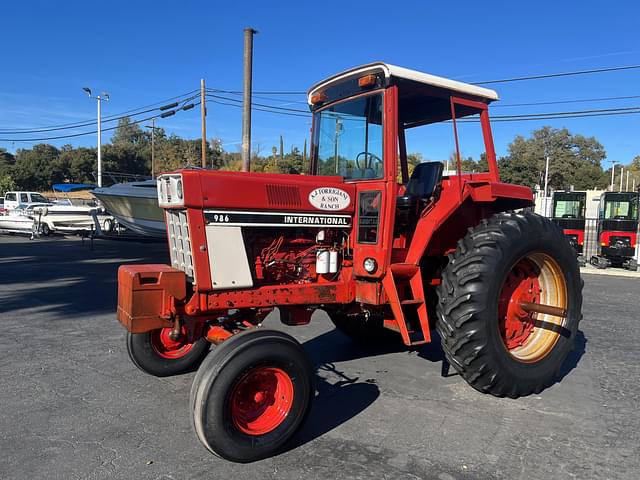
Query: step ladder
point(405, 292)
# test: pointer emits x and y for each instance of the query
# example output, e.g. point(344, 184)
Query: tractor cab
point(618, 230)
point(361, 121)
point(569, 214)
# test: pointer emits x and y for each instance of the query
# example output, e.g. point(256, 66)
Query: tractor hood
point(263, 192)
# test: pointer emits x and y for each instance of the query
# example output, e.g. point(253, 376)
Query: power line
point(84, 123)
point(555, 75)
point(260, 104)
point(92, 132)
point(558, 102)
point(308, 115)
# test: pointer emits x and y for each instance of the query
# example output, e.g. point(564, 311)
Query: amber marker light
point(319, 97)
point(367, 81)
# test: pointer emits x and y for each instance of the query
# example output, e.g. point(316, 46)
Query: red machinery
point(569, 214)
point(618, 220)
point(379, 254)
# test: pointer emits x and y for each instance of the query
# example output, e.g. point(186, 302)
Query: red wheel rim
point(529, 336)
point(521, 285)
point(261, 400)
point(165, 347)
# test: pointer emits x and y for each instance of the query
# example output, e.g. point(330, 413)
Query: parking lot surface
point(72, 405)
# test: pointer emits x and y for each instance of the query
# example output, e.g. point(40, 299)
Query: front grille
point(180, 242)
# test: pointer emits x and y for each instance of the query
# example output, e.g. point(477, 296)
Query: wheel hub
point(164, 346)
point(261, 400)
point(521, 285)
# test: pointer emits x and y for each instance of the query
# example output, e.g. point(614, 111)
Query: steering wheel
point(368, 160)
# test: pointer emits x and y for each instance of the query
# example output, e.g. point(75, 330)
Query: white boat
point(20, 219)
point(71, 217)
point(134, 205)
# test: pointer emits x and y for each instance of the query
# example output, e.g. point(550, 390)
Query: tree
point(575, 160)
point(7, 161)
point(6, 184)
point(37, 169)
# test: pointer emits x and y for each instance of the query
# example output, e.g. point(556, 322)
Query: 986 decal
point(218, 218)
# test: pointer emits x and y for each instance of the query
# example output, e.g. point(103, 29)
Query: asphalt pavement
point(73, 406)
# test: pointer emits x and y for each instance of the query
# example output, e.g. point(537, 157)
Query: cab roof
point(393, 72)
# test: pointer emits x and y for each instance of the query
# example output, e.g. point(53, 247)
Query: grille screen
point(283, 195)
point(180, 242)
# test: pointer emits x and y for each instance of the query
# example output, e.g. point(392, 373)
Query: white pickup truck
point(13, 199)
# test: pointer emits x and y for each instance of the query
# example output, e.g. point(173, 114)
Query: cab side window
point(24, 198)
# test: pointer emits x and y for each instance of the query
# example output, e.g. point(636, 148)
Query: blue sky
point(142, 52)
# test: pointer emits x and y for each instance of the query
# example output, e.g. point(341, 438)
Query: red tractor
point(387, 255)
point(618, 230)
point(569, 214)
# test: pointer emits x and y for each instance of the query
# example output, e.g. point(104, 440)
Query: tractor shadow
point(579, 349)
point(338, 401)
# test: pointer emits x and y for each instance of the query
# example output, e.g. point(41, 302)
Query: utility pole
point(246, 104)
point(100, 99)
point(153, 146)
point(613, 169)
point(546, 183)
point(203, 111)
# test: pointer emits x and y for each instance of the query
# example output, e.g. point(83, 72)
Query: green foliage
point(575, 160)
point(6, 184)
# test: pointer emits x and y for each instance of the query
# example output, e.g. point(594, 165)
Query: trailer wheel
point(498, 270)
point(251, 395)
point(107, 225)
point(157, 354)
point(46, 231)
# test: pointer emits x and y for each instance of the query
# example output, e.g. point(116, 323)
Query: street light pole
point(613, 169)
point(100, 99)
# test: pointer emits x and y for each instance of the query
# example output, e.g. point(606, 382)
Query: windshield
point(348, 139)
point(568, 209)
point(625, 209)
point(36, 197)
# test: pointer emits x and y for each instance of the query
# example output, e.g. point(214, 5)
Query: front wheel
point(509, 304)
point(251, 395)
point(157, 354)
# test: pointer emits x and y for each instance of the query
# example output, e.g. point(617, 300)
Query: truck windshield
point(348, 139)
point(568, 209)
point(622, 209)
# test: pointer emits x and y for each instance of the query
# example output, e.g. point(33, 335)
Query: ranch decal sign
point(329, 198)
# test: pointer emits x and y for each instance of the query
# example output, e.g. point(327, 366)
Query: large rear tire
point(251, 395)
point(156, 354)
point(507, 261)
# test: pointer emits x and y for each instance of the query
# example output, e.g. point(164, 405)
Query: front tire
point(156, 354)
point(505, 262)
point(251, 395)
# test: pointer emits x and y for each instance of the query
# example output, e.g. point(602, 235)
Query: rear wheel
point(251, 395)
point(503, 273)
point(157, 354)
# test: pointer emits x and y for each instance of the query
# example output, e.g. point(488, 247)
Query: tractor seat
point(423, 185)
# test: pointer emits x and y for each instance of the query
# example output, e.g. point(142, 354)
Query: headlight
point(370, 265)
point(170, 190)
